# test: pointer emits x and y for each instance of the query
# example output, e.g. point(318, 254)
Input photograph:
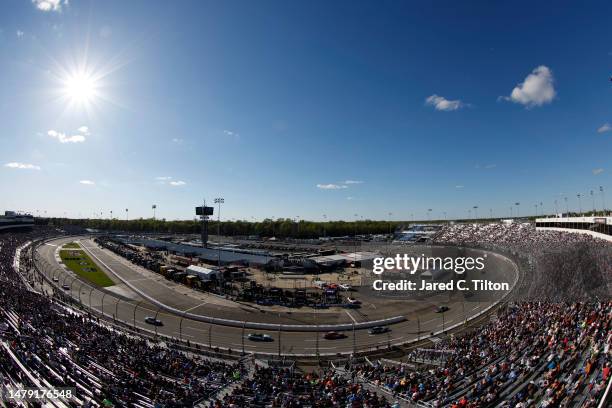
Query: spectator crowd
point(544, 352)
point(565, 266)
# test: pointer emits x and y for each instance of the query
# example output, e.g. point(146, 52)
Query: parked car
point(65, 287)
point(344, 286)
point(259, 337)
point(442, 309)
point(55, 279)
point(153, 321)
point(353, 301)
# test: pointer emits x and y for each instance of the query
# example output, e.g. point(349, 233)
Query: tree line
point(281, 228)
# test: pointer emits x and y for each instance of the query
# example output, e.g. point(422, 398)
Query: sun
point(83, 84)
point(80, 88)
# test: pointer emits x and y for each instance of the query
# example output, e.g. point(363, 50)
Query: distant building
point(599, 227)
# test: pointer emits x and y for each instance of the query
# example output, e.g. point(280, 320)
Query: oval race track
point(125, 305)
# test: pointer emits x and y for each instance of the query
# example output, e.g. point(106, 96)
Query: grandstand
point(598, 227)
point(539, 352)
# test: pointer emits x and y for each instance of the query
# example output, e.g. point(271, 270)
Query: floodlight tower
point(204, 212)
point(219, 201)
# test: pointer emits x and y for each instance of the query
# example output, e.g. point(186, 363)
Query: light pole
point(579, 204)
point(355, 243)
point(219, 201)
point(476, 211)
point(127, 217)
point(324, 223)
point(603, 199)
point(154, 207)
point(518, 209)
point(566, 206)
point(593, 198)
point(556, 208)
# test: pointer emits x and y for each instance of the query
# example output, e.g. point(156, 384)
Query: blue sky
point(291, 109)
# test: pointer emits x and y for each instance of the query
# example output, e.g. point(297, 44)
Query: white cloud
point(49, 5)
point(22, 166)
point(606, 127)
point(350, 198)
point(19, 33)
point(87, 182)
point(459, 187)
point(177, 140)
point(84, 130)
point(230, 133)
point(485, 166)
point(63, 138)
point(353, 182)
point(163, 178)
point(598, 171)
point(331, 186)
point(177, 183)
point(537, 89)
point(442, 104)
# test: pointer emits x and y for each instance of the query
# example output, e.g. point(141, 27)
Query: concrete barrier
point(251, 325)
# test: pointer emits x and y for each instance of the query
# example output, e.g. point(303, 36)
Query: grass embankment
point(80, 263)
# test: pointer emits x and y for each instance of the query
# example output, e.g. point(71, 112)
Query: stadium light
point(154, 207)
point(219, 201)
point(593, 198)
point(518, 208)
point(324, 222)
point(566, 207)
point(603, 199)
point(475, 211)
point(579, 204)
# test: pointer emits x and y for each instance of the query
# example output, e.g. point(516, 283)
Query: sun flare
point(80, 88)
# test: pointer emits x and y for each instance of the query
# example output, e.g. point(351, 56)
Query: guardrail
point(250, 325)
point(218, 350)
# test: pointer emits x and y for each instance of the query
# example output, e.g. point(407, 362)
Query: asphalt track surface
point(123, 304)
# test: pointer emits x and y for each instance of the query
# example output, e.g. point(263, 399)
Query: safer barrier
point(251, 325)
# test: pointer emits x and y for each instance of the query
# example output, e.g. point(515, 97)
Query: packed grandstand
point(544, 350)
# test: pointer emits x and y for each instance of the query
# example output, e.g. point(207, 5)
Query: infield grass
point(80, 263)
